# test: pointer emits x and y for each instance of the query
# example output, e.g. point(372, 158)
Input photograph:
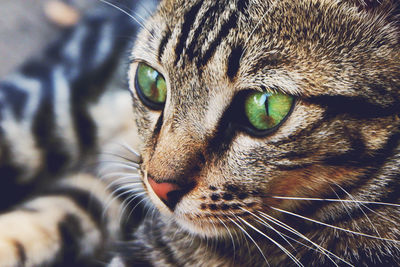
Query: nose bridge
point(177, 155)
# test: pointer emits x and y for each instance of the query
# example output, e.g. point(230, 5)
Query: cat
point(268, 137)
point(270, 133)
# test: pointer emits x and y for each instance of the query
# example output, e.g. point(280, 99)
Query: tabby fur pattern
point(320, 190)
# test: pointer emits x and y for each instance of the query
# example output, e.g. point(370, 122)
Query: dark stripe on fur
point(20, 252)
point(71, 232)
point(161, 245)
point(163, 44)
point(15, 98)
point(85, 200)
point(44, 123)
point(87, 128)
point(195, 46)
point(234, 62)
point(388, 156)
point(89, 50)
point(242, 5)
point(354, 156)
point(358, 107)
point(230, 24)
point(10, 190)
point(188, 21)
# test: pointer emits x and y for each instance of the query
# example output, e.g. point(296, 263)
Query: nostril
point(169, 193)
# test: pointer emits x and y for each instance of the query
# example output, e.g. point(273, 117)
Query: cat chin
point(201, 228)
point(195, 227)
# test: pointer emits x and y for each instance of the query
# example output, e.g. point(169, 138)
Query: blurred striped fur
point(59, 113)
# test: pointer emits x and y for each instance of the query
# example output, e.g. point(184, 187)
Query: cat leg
point(67, 224)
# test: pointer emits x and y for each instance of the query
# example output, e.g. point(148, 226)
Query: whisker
point(129, 186)
point(346, 208)
point(119, 163)
point(131, 150)
point(256, 27)
point(119, 181)
point(231, 236)
point(145, 8)
point(119, 156)
point(260, 220)
point(138, 195)
point(249, 236)
point(114, 197)
point(335, 227)
point(359, 206)
point(128, 14)
point(336, 200)
point(115, 165)
point(117, 175)
point(295, 260)
point(294, 231)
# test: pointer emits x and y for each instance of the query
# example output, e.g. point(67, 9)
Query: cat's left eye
point(150, 86)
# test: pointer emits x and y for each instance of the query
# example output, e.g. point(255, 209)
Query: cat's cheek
point(313, 181)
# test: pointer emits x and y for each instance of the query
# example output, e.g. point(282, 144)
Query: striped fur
point(321, 190)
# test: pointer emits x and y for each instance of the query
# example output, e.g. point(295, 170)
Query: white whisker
point(131, 150)
point(114, 175)
point(114, 197)
point(125, 206)
point(256, 27)
point(231, 236)
point(120, 180)
point(119, 156)
point(295, 260)
point(249, 236)
point(294, 231)
point(260, 220)
point(359, 206)
point(336, 200)
point(128, 14)
point(115, 165)
point(119, 163)
point(333, 226)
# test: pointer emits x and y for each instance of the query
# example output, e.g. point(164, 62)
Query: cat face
point(243, 103)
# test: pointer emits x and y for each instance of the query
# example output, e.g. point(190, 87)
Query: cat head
point(242, 104)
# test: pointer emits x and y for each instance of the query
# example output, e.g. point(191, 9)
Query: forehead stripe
point(188, 21)
point(234, 62)
point(163, 43)
point(206, 19)
point(230, 24)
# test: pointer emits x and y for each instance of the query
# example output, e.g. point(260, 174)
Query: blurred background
point(26, 27)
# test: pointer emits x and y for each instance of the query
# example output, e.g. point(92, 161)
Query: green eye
point(266, 110)
point(151, 86)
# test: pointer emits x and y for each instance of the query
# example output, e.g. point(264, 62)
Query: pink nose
point(162, 189)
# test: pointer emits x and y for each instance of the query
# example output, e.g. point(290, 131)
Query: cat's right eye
point(265, 111)
point(150, 86)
